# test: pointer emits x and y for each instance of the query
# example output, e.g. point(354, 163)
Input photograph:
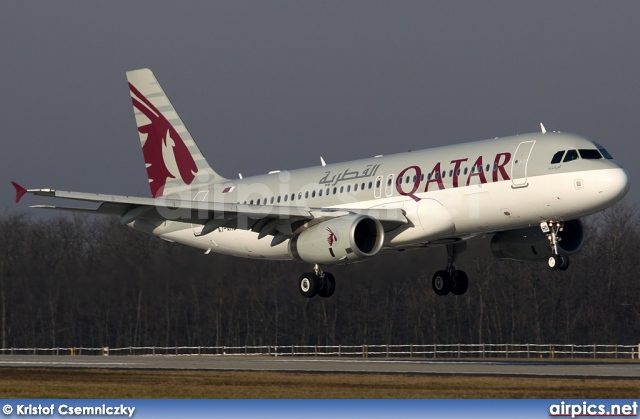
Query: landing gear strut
point(317, 282)
point(552, 230)
point(451, 280)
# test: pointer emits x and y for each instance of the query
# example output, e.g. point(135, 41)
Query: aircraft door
point(519, 164)
point(377, 192)
point(389, 186)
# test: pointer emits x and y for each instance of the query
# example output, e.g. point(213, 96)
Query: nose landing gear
point(553, 229)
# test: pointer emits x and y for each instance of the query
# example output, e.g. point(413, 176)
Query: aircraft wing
point(274, 220)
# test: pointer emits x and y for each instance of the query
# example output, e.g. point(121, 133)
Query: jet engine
point(346, 239)
point(531, 244)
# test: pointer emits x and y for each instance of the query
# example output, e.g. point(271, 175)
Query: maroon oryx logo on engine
point(332, 237)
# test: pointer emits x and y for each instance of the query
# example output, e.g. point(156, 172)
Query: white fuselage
point(442, 192)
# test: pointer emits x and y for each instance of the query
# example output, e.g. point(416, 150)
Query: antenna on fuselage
point(322, 162)
point(542, 128)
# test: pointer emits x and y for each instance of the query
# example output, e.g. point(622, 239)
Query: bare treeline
point(82, 281)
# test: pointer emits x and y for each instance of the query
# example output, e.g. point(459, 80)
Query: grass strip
point(149, 384)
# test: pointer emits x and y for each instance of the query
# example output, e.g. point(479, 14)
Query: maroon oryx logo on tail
point(166, 155)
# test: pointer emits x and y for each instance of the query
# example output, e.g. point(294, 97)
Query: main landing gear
point(317, 283)
point(451, 280)
point(556, 260)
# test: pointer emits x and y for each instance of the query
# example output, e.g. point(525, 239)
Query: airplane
point(528, 191)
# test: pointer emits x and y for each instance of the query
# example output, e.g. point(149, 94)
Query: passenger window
point(370, 185)
point(278, 199)
point(335, 190)
point(362, 186)
point(450, 173)
point(320, 192)
point(389, 182)
point(466, 170)
point(341, 189)
point(348, 188)
point(271, 200)
point(488, 167)
point(306, 195)
point(286, 198)
point(557, 158)
point(377, 184)
point(590, 154)
point(399, 181)
point(293, 196)
point(422, 177)
point(313, 194)
point(328, 191)
point(571, 155)
point(355, 187)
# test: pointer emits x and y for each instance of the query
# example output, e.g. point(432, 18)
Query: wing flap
point(392, 215)
point(102, 209)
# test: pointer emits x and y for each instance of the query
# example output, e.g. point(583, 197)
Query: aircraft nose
point(622, 182)
point(614, 184)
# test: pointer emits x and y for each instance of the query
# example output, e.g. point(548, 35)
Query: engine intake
point(531, 244)
point(340, 240)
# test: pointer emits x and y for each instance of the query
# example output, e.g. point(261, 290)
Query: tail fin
point(171, 155)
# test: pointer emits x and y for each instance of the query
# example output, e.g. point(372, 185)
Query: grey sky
point(274, 85)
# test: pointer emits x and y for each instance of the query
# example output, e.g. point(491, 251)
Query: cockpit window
point(571, 155)
point(606, 154)
point(590, 154)
point(557, 158)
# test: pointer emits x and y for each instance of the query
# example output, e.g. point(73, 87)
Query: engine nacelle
point(531, 244)
point(340, 240)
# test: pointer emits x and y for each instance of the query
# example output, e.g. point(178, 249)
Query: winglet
point(20, 191)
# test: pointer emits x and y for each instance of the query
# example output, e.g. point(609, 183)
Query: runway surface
point(546, 368)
